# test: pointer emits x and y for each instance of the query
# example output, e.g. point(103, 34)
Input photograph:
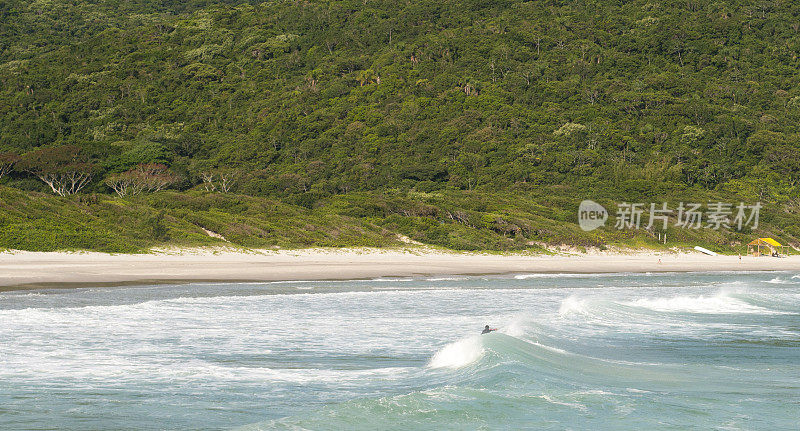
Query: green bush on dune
point(37, 221)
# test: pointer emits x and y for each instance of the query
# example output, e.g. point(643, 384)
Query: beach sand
point(19, 269)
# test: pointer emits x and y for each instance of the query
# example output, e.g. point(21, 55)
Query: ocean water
point(617, 351)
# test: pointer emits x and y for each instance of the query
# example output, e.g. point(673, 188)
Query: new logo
point(591, 215)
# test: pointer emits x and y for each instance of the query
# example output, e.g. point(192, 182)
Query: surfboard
point(705, 250)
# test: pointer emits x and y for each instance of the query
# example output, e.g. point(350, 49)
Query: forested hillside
point(484, 106)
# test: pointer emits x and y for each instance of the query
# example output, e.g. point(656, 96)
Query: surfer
point(487, 329)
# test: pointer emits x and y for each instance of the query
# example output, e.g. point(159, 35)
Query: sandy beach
point(32, 269)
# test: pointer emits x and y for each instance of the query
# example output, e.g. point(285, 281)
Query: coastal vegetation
point(451, 219)
point(465, 125)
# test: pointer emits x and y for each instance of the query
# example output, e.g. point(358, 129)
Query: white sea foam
point(594, 392)
point(572, 305)
point(551, 348)
point(717, 304)
point(446, 279)
point(458, 354)
point(596, 275)
point(552, 400)
point(65, 365)
point(778, 280)
point(721, 303)
point(515, 329)
point(562, 275)
point(390, 279)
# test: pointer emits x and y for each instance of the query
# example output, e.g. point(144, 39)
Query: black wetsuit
point(486, 331)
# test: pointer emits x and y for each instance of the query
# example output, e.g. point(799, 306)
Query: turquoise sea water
point(617, 351)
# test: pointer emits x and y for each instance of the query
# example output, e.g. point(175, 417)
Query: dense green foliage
point(325, 108)
point(99, 222)
point(470, 220)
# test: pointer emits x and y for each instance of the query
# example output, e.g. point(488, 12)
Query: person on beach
point(487, 330)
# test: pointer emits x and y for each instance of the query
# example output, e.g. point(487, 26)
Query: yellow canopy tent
point(768, 244)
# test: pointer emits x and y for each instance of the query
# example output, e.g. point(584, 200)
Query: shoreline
point(21, 270)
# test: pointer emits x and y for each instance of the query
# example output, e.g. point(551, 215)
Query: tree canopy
point(310, 99)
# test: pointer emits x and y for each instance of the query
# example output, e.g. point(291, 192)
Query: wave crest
point(458, 354)
point(717, 304)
